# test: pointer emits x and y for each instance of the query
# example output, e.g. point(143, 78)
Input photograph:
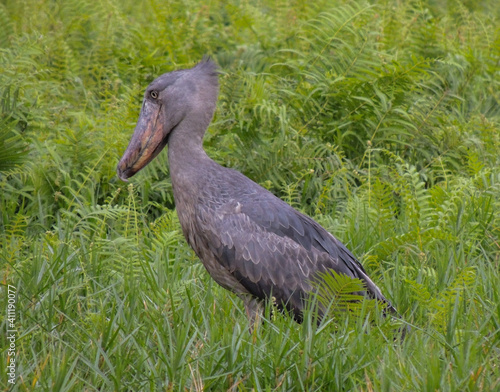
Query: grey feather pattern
point(267, 246)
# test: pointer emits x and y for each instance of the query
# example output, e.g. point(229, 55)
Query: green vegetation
point(380, 119)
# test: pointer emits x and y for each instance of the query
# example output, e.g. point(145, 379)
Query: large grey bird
point(251, 242)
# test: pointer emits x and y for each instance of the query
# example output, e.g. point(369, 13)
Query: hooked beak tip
point(121, 174)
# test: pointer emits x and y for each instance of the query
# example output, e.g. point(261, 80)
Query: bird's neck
point(186, 157)
point(189, 169)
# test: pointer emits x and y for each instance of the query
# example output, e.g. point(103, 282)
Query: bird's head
point(172, 98)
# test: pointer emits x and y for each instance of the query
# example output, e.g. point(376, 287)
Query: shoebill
point(251, 242)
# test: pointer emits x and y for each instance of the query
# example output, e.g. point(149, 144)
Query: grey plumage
point(251, 242)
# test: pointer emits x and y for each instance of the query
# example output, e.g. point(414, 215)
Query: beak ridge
point(146, 142)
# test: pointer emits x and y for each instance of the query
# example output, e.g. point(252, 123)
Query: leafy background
point(379, 119)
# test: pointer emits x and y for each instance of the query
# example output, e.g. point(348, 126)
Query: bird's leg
point(254, 309)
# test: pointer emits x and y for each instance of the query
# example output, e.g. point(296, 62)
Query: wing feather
point(272, 249)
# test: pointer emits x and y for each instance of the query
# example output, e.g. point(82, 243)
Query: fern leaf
point(339, 292)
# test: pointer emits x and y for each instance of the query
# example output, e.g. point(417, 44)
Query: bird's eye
point(154, 94)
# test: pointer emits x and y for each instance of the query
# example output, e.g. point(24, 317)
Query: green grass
point(380, 119)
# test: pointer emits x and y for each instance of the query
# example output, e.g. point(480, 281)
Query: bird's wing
point(273, 250)
point(313, 237)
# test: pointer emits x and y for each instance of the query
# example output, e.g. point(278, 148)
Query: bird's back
point(253, 242)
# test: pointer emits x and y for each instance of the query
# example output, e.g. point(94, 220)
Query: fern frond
point(14, 150)
point(339, 293)
point(7, 30)
point(442, 305)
